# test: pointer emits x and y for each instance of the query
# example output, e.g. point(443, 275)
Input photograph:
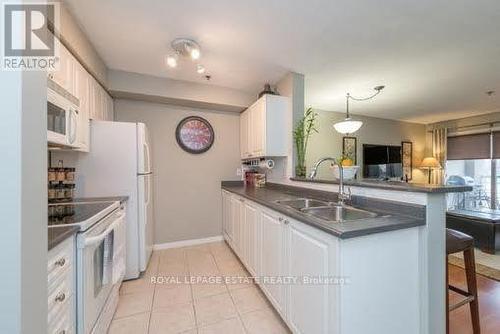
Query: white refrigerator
point(118, 164)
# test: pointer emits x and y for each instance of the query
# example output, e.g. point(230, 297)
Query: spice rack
point(61, 183)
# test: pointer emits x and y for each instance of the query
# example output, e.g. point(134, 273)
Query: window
point(473, 160)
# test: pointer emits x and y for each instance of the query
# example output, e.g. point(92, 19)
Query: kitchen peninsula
point(384, 253)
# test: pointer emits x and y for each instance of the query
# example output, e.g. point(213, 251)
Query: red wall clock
point(195, 135)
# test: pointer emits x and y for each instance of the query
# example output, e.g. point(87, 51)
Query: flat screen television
point(382, 162)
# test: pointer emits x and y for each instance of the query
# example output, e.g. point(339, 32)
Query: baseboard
point(185, 243)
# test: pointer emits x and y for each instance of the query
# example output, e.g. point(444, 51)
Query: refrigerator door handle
point(146, 190)
point(147, 163)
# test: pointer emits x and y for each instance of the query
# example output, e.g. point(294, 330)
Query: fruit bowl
point(349, 172)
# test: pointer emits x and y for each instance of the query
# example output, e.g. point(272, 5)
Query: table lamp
point(430, 163)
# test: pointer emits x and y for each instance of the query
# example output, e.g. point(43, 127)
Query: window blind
point(496, 145)
point(476, 146)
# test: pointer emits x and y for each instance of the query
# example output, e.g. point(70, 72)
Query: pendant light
point(348, 125)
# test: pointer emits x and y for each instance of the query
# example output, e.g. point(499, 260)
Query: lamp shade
point(347, 126)
point(430, 163)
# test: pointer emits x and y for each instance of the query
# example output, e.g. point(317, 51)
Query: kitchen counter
point(392, 215)
point(392, 185)
point(58, 234)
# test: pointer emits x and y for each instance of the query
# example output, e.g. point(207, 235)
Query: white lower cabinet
point(310, 258)
point(380, 293)
point(272, 257)
point(236, 217)
point(274, 247)
point(251, 235)
point(226, 215)
point(61, 288)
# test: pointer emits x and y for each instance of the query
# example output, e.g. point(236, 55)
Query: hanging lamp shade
point(347, 126)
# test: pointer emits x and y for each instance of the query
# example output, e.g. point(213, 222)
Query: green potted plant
point(301, 134)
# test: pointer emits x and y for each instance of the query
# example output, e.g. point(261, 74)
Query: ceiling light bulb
point(195, 53)
point(200, 69)
point(172, 60)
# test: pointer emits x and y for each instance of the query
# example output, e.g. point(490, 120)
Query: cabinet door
point(310, 254)
point(83, 95)
point(244, 147)
point(94, 99)
point(236, 213)
point(258, 128)
point(272, 257)
point(109, 108)
point(63, 76)
point(226, 214)
point(251, 237)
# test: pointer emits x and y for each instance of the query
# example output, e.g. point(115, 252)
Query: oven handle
point(100, 237)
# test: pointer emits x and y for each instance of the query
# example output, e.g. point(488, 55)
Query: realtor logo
point(28, 43)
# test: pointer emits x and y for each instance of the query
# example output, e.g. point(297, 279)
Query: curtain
point(439, 144)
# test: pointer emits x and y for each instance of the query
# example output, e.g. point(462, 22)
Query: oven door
point(92, 287)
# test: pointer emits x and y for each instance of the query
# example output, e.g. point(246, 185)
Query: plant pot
point(300, 171)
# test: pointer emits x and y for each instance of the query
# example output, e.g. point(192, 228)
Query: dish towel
point(119, 254)
point(107, 261)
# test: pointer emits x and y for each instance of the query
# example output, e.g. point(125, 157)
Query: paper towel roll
point(267, 164)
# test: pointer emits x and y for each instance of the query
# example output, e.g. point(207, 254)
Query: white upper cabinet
point(65, 75)
point(101, 103)
point(262, 128)
point(83, 95)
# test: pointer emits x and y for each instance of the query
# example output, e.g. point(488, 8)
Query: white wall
point(328, 143)
point(187, 187)
point(23, 202)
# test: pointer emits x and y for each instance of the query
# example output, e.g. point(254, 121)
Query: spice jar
point(60, 191)
point(69, 190)
point(52, 192)
point(51, 174)
point(60, 174)
point(70, 174)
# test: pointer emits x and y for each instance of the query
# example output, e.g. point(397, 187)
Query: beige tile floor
point(187, 306)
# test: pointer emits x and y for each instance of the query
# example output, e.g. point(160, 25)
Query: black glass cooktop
point(63, 214)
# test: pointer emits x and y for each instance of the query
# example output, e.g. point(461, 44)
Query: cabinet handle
point(61, 296)
point(280, 219)
point(60, 262)
point(286, 221)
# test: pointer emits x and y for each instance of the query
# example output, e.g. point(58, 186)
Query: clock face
point(194, 135)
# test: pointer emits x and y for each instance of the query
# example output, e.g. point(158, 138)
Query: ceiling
point(437, 58)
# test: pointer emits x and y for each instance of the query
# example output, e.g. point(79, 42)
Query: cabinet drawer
point(60, 259)
point(63, 323)
point(59, 301)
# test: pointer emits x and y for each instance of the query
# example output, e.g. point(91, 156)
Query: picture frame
point(407, 158)
point(350, 148)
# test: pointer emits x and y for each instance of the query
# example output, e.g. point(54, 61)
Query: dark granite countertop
point(392, 215)
point(392, 185)
point(58, 234)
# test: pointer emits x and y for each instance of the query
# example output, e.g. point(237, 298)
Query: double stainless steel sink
point(328, 211)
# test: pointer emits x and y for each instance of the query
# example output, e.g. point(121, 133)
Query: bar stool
point(457, 242)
